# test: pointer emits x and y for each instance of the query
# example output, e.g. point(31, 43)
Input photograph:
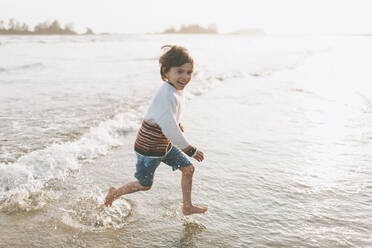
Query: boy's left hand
point(199, 156)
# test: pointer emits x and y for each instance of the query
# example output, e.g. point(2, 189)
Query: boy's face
point(179, 76)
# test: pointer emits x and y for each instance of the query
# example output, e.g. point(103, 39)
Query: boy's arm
point(176, 137)
point(173, 132)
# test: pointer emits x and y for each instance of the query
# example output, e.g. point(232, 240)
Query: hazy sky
point(139, 16)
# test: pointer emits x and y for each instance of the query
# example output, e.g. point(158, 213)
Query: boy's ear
point(164, 74)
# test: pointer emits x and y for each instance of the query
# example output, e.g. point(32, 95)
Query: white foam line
point(28, 175)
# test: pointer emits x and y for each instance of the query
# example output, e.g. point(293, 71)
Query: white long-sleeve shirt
point(161, 123)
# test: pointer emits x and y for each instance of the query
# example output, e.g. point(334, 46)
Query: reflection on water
point(190, 229)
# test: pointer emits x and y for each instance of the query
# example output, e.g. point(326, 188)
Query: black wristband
point(191, 152)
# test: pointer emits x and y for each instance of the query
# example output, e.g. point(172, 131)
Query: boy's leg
point(177, 160)
point(186, 183)
point(145, 169)
point(126, 189)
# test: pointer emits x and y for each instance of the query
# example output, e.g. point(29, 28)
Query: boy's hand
point(199, 156)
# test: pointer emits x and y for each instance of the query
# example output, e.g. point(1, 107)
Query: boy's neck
point(172, 85)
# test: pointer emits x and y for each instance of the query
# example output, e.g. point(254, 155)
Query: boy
point(160, 136)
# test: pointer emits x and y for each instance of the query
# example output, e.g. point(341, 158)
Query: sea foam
point(22, 183)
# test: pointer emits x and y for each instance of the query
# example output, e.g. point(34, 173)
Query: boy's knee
point(188, 171)
point(145, 188)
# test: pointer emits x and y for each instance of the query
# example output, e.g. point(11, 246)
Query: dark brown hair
point(173, 56)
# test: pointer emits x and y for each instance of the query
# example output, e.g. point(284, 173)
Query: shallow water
point(287, 139)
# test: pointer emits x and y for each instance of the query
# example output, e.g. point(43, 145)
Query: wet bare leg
point(128, 188)
point(186, 182)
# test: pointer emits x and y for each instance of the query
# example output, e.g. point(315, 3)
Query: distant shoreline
point(34, 34)
point(15, 27)
point(162, 33)
point(192, 29)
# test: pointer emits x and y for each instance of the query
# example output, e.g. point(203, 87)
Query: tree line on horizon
point(47, 27)
point(193, 29)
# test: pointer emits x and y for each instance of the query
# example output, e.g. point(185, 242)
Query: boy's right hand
point(199, 156)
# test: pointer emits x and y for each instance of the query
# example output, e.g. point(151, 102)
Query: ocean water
point(285, 123)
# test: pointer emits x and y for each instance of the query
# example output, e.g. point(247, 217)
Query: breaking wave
point(22, 182)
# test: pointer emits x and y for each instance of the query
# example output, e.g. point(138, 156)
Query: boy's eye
point(189, 72)
point(180, 71)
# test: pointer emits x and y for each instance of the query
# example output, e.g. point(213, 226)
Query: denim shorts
point(146, 166)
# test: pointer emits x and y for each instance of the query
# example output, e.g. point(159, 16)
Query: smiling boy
point(160, 138)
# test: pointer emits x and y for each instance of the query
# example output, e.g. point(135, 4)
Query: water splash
point(88, 213)
point(190, 224)
point(26, 200)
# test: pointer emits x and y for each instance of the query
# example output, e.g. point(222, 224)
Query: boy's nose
point(185, 77)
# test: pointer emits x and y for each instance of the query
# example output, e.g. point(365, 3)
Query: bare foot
point(194, 210)
point(110, 197)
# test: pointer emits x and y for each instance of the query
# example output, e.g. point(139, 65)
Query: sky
point(143, 16)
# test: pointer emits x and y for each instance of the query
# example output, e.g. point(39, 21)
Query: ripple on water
point(90, 214)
